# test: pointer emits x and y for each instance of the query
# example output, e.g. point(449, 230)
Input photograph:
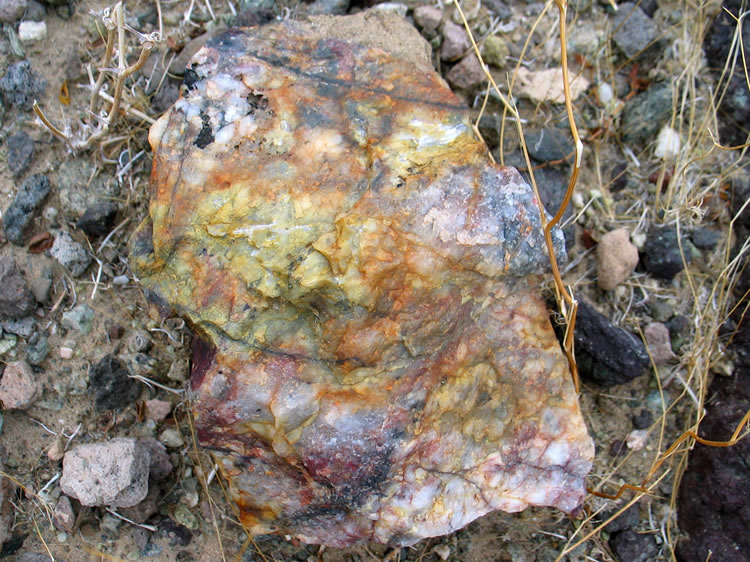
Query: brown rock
point(371, 361)
point(617, 259)
point(467, 73)
point(658, 342)
point(18, 387)
point(455, 42)
point(157, 410)
point(63, 516)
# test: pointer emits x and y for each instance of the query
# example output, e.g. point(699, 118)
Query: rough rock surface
point(617, 258)
point(112, 473)
point(19, 214)
point(372, 360)
point(16, 300)
point(18, 387)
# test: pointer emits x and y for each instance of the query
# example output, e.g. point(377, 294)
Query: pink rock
point(428, 17)
point(18, 387)
point(617, 259)
point(113, 473)
point(455, 42)
point(658, 342)
point(157, 409)
point(63, 516)
point(467, 73)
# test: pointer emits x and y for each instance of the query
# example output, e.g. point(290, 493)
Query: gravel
point(20, 213)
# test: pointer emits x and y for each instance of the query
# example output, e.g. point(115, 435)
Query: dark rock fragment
point(16, 300)
point(634, 30)
point(606, 354)
point(20, 152)
point(626, 520)
point(714, 498)
point(110, 384)
point(705, 238)
point(661, 253)
point(643, 419)
point(549, 145)
point(99, 218)
point(552, 184)
point(20, 85)
point(26, 203)
point(629, 546)
point(645, 114)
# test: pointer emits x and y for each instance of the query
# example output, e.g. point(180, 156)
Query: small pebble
point(20, 213)
point(667, 143)
point(171, 438)
point(617, 258)
point(467, 73)
point(629, 546)
point(617, 448)
point(178, 370)
point(636, 439)
point(20, 152)
point(157, 410)
point(643, 419)
point(56, 451)
point(16, 300)
point(12, 10)
point(31, 31)
point(139, 341)
point(70, 254)
point(455, 42)
point(20, 85)
point(659, 342)
point(66, 352)
point(63, 516)
point(120, 280)
point(80, 319)
point(18, 387)
point(428, 18)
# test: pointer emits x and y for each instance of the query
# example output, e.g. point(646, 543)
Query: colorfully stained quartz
point(372, 358)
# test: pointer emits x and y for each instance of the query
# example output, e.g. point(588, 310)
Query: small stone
point(428, 18)
point(111, 385)
point(20, 85)
point(495, 51)
point(455, 42)
point(550, 144)
point(392, 7)
point(645, 114)
point(606, 354)
point(8, 342)
point(63, 516)
point(705, 238)
point(16, 300)
point(499, 8)
point(112, 473)
point(659, 343)
point(37, 351)
point(80, 319)
point(160, 466)
point(120, 280)
point(546, 85)
point(157, 410)
point(636, 439)
point(443, 551)
point(634, 30)
point(185, 517)
point(41, 284)
point(661, 253)
point(20, 152)
point(23, 327)
point(98, 219)
point(12, 10)
point(629, 546)
point(34, 11)
point(643, 419)
point(178, 370)
point(617, 448)
point(31, 31)
point(661, 310)
point(18, 387)
point(66, 352)
point(171, 438)
point(328, 7)
point(145, 509)
point(19, 214)
point(70, 254)
point(616, 259)
point(139, 341)
point(625, 520)
point(467, 73)
point(56, 451)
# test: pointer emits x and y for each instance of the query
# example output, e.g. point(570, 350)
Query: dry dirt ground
point(621, 185)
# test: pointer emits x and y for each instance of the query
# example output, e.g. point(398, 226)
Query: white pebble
point(668, 143)
point(30, 31)
point(66, 352)
point(636, 439)
point(121, 280)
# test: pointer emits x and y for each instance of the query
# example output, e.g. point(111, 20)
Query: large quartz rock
point(372, 359)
